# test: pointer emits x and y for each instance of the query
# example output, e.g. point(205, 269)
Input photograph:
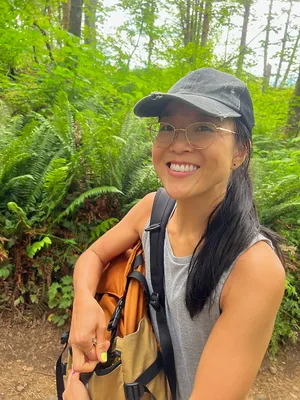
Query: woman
point(224, 280)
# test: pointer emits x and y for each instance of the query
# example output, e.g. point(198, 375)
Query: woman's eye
point(204, 128)
point(166, 128)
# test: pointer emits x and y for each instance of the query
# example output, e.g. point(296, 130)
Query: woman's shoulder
point(258, 269)
point(259, 259)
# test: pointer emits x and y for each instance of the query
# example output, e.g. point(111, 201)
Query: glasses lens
point(201, 134)
point(161, 134)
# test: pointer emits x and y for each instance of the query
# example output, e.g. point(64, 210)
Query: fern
point(276, 173)
point(133, 157)
point(20, 214)
point(268, 215)
point(80, 200)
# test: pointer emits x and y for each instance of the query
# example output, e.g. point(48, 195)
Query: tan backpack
point(137, 366)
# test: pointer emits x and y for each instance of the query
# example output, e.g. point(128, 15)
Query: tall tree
point(206, 22)
point(75, 17)
point(266, 73)
point(293, 124)
point(291, 60)
point(227, 38)
point(191, 16)
point(66, 7)
point(284, 41)
point(90, 9)
point(150, 30)
point(242, 49)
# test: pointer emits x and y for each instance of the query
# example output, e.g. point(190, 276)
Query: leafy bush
point(56, 184)
point(276, 175)
point(287, 325)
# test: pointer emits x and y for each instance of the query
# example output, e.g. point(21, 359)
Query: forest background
point(73, 158)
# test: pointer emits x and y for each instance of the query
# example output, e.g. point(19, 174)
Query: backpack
point(138, 366)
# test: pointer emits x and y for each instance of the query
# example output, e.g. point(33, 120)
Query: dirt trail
point(28, 355)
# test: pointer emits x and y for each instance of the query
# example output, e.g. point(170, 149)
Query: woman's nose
point(180, 142)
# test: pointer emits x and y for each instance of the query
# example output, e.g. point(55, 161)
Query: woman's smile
point(181, 169)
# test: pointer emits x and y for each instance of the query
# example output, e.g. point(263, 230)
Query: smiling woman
point(224, 278)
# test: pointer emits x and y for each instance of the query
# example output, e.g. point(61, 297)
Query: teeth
point(182, 167)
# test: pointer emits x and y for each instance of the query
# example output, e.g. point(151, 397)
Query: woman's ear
point(239, 157)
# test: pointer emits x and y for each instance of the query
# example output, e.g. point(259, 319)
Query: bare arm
point(120, 238)
point(88, 320)
point(240, 337)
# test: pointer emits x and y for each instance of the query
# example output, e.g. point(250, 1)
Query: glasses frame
point(217, 129)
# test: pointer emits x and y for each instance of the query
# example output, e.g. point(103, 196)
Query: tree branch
point(43, 32)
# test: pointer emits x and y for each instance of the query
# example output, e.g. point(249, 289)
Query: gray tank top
point(188, 336)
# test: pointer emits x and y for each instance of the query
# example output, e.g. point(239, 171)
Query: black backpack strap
point(136, 390)
point(161, 211)
point(60, 370)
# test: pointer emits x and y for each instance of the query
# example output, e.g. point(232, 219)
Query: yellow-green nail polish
point(104, 356)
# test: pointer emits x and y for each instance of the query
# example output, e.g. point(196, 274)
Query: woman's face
point(211, 167)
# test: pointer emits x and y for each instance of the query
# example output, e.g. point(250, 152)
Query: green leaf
point(90, 193)
point(33, 298)
point(37, 246)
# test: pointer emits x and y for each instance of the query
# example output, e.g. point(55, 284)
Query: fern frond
point(269, 215)
point(90, 193)
point(19, 212)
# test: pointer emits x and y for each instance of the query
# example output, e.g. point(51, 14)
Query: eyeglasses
point(199, 135)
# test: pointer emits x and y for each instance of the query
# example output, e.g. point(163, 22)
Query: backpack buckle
point(116, 315)
point(134, 391)
point(154, 301)
point(153, 227)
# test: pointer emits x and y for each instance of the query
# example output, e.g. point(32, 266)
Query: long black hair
point(231, 227)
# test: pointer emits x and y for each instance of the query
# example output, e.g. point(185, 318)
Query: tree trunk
point(66, 7)
point(291, 61)
point(75, 17)
point(150, 32)
point(206, 22)
point(266, 79)
point(199, 23)
point(240, 62)
point(284, 40)
point(293, 124)
point(227, 39)
point(188, 21)
point(190, 14)
point(185, 12)
point(90, 21)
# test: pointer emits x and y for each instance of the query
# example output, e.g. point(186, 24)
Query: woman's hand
point(75, 389)
point(87, 335)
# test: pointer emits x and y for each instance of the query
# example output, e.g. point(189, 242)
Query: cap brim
point(151, 106)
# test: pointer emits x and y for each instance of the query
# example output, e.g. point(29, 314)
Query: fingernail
point(104, 356)
point(73, 372)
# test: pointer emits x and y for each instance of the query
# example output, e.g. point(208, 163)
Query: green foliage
point(60, 295)
point(287, 324)
point(37, 246)
point(96, 192)
point(103, 227)
point(5, 271)
point(276, 173)
point(269, 118)
point(131, 168)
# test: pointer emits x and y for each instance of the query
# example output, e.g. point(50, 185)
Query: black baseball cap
point(215, 93)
